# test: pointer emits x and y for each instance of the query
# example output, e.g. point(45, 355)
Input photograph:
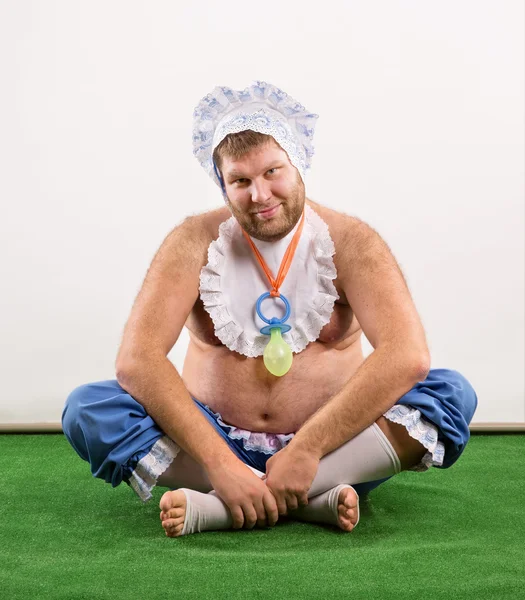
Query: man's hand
point(289, 476)
point(247, 497)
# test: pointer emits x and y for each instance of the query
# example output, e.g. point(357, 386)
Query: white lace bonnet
point(262, 107)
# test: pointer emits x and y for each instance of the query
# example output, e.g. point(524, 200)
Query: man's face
point(265, 192)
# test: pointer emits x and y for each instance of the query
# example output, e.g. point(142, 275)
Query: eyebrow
point(239, 175)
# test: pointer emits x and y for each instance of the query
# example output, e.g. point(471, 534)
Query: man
point(287, 417)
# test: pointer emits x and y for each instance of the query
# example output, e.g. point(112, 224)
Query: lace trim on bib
point(421, 430)
point(305, 329)
point(150, 467)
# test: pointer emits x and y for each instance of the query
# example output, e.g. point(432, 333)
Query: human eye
point(272, 171)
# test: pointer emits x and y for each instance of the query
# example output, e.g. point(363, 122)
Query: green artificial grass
point(443, 534)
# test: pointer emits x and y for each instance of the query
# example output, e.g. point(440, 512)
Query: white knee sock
point(367, 457)
point(207, 512)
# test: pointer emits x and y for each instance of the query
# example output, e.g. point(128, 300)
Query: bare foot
point(347, 513)
point(338, 506)
point(173, 512)
point(186, 511)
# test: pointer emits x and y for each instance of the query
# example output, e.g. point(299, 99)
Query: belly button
point(265, 416)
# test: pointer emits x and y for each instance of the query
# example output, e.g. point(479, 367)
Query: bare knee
point(409, 450)
point(185, 472)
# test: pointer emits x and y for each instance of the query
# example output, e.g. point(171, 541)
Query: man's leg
point(445, 399)
point(409, 451)
point(109, 429)
point(188, 473)
point(428, 426)
point(185, 511)
point(185, 472)
point(112, 431)
point(339, 506)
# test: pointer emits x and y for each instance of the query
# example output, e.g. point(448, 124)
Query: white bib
point(233, 280)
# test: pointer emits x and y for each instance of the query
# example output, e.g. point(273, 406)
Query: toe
point(347, 509)
point(173, 527)
point(165, 502)
point(345, 524)
point(170, 524)
point(175, 513)
point(350, 500)
point(346, 512)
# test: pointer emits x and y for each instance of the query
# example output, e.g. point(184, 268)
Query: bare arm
point(381, 301)
point(169, 292)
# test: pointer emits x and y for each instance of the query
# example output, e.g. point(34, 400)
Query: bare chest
point(249, 397)
point(342, 323)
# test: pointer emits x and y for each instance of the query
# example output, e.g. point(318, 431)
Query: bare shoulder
point(169, 291)
point(347, 231)
point(194, 234)
point(357, 244)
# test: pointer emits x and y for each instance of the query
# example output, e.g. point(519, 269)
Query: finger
point(291, 502)
point(270, 506)
point(280, 500)
point(303, 499)
point(250, 516)
point(237, 517)
point(281, 505)
point(261, 514)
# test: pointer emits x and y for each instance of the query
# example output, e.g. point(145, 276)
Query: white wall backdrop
point(420, 134)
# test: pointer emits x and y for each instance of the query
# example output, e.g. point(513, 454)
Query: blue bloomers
point(112, 431)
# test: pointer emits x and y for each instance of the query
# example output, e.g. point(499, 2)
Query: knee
point(82, 413)
point(73, 407)
point(85, 402)
point(72, 416)
point(467, 394)
point(455, 391)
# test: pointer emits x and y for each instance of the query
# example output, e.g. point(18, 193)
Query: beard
point(271, 230)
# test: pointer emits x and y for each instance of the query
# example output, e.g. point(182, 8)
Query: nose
point(260, 191)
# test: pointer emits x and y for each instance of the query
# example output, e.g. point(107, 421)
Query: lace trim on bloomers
point(421, 430)
point(305, 329)
point(150, 467)
point(268, 443)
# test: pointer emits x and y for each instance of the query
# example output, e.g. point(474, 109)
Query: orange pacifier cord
point(286, 262)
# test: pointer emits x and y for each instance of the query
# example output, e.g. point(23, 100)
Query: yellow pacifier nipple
point(277, 354)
